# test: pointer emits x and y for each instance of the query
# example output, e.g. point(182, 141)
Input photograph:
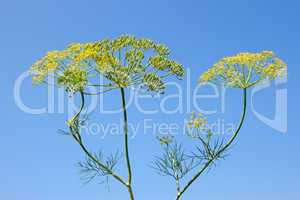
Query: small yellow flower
point(75, 47)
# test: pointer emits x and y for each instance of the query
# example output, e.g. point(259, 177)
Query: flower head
point(73, 78)
point(47, 65)
point(153, 82)
point(130, 61)
point(165, 140)
point(245, 69)
point(65, 66)
point(125, 61)
point(197, 121)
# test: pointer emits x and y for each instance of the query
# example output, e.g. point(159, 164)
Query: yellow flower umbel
point(65, 67)
point(198, 127)
point(197, 121)
point(47, 65)
point(129, 61)
point(245, 69)
point(125, 61)
point(165, 140)
point(73, 78)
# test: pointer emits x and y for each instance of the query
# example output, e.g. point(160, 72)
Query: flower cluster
point(153, 82)
point(245, 69)
point(162, 63)
point(73, 78)
point(197, 121)
point(66, 66)
point(165, 140)
point(198, 127)
point(47, 65)
point(124, 61)
point(130, 61)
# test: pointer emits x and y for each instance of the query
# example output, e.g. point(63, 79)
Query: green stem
point(177, 185)
point(126, 144)
point(228, 144)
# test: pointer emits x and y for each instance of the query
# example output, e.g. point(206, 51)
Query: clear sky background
point(37, 163)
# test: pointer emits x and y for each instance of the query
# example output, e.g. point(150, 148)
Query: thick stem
point(130, 192)
point(177, 185)
point(126, 144)
point(228, 144)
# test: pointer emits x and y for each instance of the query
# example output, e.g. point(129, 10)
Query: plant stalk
point(129, 186)
point(228, 144)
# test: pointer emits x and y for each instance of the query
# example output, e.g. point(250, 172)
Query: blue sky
point(37, 163)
